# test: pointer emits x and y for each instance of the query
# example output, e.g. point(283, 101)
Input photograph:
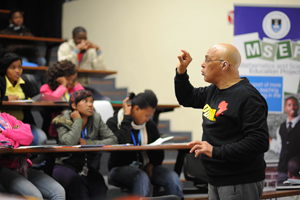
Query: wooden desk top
point(66, 104)
point(72, 149)
point(30, 38)
point(90, 72)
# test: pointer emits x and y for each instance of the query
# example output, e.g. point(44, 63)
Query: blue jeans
point(39, 136)
point(90, 187)
point(37, 185)
point(140, 184)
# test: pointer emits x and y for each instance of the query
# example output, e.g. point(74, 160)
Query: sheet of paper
point(161, 140)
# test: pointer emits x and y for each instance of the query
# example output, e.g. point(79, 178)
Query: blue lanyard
point(84, 134)
point(1, 125)
point(139, 138)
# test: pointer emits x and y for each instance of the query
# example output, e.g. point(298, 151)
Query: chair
point(194, 171)
point(104, 108)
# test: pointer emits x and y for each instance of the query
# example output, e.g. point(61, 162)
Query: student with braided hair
point(81, 126)
point(137, 170)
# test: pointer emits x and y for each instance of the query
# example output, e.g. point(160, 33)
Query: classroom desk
point(49, 42)
point(49, 106)
point(53, 151)
point(89, 72)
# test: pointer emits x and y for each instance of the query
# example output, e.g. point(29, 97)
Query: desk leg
point(50, 161)
point(180, 160)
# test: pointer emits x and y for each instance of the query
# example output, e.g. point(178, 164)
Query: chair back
point(104, 108)
point(194, 171)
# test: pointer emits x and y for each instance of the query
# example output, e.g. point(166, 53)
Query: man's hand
point(184, 60)
point(62, 81)
point(126, 107)
point(75, 114)
point(201, 147)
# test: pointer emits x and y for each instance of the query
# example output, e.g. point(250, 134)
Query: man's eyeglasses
point(207, 60)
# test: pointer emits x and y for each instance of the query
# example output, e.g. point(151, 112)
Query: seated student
point(61, 83)
point(85, 127)
point(294, 167)
point(16, 27)
point(61, 80)
point(16, 173)
point(138, 170)
point(83, 53)
point(17, 88)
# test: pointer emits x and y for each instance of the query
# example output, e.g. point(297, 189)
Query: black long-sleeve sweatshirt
point(235, 124)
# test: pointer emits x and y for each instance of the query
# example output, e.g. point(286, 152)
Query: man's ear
point(225, 65)
point(74, 106)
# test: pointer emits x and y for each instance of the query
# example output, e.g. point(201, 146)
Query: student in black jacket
point(137, 170)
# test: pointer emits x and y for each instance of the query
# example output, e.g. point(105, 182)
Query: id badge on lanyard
point(85, 169)
point(136, 163)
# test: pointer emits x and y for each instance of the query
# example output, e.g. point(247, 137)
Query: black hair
point(59, 69)
point(78, 29)
point(143, 100)
point(6, 61)
point(294, 166)
point(291, 97)
point(77, 96)
point(13, 11)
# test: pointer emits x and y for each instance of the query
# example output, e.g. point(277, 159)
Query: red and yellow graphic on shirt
point(222, 107)
point(210, 113)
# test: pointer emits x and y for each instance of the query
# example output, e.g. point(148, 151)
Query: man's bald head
point(227, 52)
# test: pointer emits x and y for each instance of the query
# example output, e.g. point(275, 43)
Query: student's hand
point(201, 147)
point(16, 126)
point(75, 114)
point(83, 45)
point(148, 169)
point(91, 45)
point(62, 81)
point(13, 97)
point(184, 60)
point(75, 83)
point(126, 107)
point(82, 141)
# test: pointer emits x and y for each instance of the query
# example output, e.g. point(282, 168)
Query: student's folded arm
point(22, 134)
point(69, 135)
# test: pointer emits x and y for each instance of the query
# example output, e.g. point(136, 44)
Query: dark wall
point(43, 17)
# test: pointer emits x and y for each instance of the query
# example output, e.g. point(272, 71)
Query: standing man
point(235, 131)
point(83, 53)
point(287, 138)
